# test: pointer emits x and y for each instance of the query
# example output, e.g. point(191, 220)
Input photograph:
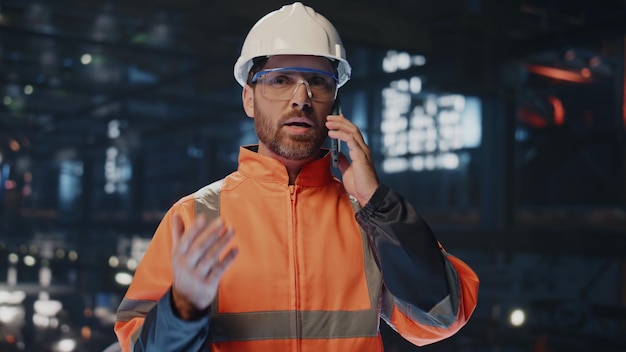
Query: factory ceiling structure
point(112, 110)
point(69, 68)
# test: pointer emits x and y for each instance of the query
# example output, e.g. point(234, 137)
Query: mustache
point(297, 113)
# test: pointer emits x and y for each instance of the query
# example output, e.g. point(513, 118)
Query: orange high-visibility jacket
point(315, 271)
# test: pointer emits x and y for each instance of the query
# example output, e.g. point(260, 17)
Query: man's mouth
point(299, 122)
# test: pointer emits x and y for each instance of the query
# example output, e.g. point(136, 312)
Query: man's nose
point(302, 95)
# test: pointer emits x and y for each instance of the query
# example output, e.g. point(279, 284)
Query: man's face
point(293, 128)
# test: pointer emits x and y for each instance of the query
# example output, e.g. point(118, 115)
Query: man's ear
point(247, 96)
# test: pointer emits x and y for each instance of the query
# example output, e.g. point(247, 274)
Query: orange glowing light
point(557, 73)
point(14, 145)
point(88, 312)
point(559, 111)
point(85, 332)
point(585, 72)
point(595, 61)
point(532, 118)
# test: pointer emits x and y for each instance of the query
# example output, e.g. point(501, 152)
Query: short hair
point(257, 65)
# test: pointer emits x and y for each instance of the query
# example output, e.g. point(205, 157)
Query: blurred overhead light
point(45, 276)
point(113, 130)
point(517, 317)
point(397, 61)
point(65, 345)
point(11, 314)
point(72, 255)
point(29, 260)
point(85, 59)
point(415, 85)
point(114, 262)
point(48, 308)
point(131, 264)
point(12, 298)
point(123, 278)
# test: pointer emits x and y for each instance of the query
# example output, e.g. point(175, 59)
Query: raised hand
point(196, 265)
point(359, 177)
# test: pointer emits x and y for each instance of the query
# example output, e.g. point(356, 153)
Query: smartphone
point(335, 145)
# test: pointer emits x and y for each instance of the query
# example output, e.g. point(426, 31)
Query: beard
point(291, 147)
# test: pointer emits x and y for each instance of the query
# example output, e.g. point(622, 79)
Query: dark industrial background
point(112, 110)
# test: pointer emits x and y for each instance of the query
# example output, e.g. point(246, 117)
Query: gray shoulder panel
point(207, 200)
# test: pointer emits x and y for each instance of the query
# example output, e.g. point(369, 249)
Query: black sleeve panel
point(407, 251)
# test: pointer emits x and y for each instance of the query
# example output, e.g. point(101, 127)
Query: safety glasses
point(283, 82)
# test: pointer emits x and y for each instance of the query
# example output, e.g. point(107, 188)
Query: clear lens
point(282, 84)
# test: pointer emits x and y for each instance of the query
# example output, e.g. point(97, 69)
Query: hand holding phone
point(334, 143)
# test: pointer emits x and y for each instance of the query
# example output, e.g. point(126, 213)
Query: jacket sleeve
point(428, 295)
point(145, 318)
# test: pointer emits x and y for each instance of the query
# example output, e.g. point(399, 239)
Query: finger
point(208, 234)
point(218, 270)
point(203, 241)
point(340, 122)
point(184, 245)
point(357, 148)
point(335, 122)
point(344, 129)
point(212, 255)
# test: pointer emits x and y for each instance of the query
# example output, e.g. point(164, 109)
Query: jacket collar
point(267, 169)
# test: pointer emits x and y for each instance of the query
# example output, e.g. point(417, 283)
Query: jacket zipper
point(298, 315)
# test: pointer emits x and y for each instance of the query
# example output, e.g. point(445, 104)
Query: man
point(280, 255)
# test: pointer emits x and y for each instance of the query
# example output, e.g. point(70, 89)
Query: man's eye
point(318, 81)
point(280, 80)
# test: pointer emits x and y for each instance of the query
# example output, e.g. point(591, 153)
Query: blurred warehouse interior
point(504, 123)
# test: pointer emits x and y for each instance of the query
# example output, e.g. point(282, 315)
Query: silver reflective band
point(133, 308)
point(282, 325)
point(282, 83)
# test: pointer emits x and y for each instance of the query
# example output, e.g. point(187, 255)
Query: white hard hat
point(292, 30)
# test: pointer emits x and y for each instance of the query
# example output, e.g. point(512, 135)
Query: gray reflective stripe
point(373, 274)
point(253, 326)
point(207, 200)
point(444, 312)
point(132, 308)
point(281, 325)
